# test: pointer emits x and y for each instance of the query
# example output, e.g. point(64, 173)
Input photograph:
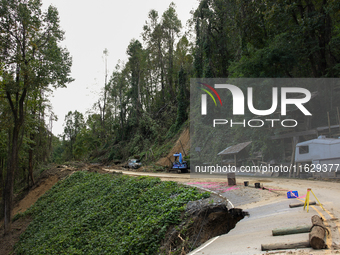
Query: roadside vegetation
point(91, 213)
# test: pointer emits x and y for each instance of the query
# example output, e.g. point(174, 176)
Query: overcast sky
point(92, 26)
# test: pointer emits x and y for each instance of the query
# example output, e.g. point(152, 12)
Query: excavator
point(179, 165)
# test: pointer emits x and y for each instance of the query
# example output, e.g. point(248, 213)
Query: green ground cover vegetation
point(91, 213)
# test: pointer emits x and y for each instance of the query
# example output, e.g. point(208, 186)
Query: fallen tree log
point(318, 233)
point(301, 204)
point(292, 230)
point(284, 246)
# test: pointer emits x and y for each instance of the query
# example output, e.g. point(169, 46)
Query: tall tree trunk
point(161, 67)
point(11, 166)
point(121, 113)
point(18, 118)
point(30, 162)
point(138, 96)
point(170, 71)
point(1, 168)
point(2, 182)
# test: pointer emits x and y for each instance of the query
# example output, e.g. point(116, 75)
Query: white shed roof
point(234, 149)
point(327, 141)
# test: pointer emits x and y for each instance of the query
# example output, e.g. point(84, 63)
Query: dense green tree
point(181, 99)
point(136, 67)
point(171, 26)
point(183, 57)
point(119, 99)
point(153, 38)
point(281, 39)
point(217, 37)
point(31, 60)
point(74, 123)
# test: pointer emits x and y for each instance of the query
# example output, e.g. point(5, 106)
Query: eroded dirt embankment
point(201, 221)
point(181, 145)
point(45, 182)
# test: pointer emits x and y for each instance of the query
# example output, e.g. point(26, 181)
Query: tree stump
point(231, 179)
point(318, 233)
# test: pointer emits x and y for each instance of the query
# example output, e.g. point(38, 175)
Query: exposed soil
point(185, 140)
point(20, 225)
point(7, 242)
point(45, 182)
point(201, 221)
point(34, 194)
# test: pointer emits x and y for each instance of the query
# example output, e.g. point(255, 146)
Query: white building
point(319, 157)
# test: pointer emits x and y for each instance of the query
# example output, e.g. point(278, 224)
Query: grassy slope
point(90, 213)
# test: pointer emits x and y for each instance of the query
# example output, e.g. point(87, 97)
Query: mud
point(202, 220)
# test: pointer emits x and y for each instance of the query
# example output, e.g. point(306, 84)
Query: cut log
point(291, 230)
point(301, 204)
point(284, 246)
point(318, 233)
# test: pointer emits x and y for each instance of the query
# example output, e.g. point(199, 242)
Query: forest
point(145, 100)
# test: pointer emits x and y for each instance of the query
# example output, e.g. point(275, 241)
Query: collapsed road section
point(201, 221)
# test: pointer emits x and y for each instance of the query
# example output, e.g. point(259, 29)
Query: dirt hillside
point(43, 184)
point(34, 194)
point(19, 226)
point(185, 140)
